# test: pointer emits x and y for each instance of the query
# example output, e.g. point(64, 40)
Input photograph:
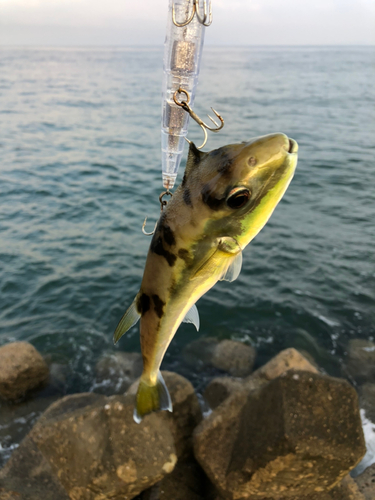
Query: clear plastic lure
point(182, 57)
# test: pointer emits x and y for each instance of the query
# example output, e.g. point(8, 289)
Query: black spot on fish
point(184, 255)
point(168, 235)
point(158, 248)
point(143, 304)
point(158, 305)
point(211, 201)
point(187, 198)
point(183, 179)
point(224, 166)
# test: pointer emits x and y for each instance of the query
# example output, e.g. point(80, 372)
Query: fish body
point(224, 200)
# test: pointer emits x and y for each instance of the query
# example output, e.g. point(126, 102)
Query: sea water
point(80, 168)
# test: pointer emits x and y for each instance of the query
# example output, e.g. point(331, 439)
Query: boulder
point(89, 447)
point(186, 413)
point(116, 371)
point(285, 360)
point(360, 364)
point(366, 483)
point(300, 433)
point(233, 357)
point(199, 353)
point(219, 389)
point(22, 369)
point(16, 420)
point(186, 482)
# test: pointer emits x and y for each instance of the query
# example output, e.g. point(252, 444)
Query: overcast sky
point(142, 22)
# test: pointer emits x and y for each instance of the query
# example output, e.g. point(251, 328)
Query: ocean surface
point(80, 168)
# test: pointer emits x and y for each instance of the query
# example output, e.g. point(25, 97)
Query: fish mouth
point(293, 146)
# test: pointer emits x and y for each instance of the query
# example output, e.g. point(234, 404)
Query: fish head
point(237, 187)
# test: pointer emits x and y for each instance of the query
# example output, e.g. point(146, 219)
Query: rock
point(186, 413)
point(366, 483)
point(22, 369)
point(222, 387)
point(219, 389)
point(287, 359)
point(230, 356)
point(199, 353)
point(116, 371)
point(360, 363)
point(16, 420)
point(346, 490)
point(234, 357)
point(94, 449)
point(300, 433)
point(186, 482)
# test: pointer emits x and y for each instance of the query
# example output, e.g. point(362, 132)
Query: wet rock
point(361, 360)
point(199, 353)
point(92, 446)
point(186, 413)
point(22, 369)
point(115, 372)
point(366, 483)
point(219, 389)
point(300, 433)
point(234, 357)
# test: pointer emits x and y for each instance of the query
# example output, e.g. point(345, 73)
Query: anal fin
point(192, 316)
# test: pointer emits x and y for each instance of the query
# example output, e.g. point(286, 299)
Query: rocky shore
point(283, 431)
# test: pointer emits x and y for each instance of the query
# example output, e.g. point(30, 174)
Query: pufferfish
point(225, 198)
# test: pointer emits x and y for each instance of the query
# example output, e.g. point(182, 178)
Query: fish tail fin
point(151, 398)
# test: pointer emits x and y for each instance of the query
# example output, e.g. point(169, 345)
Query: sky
point(143, 22)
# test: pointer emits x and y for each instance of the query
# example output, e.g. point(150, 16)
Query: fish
point(225, 198)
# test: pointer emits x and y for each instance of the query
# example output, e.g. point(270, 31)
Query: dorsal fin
point(194, 158)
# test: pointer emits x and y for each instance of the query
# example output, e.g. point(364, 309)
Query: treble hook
point(195, 11)
point(204, 126)
point(163, 203)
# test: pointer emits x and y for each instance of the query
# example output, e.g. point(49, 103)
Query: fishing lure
point(182, 58)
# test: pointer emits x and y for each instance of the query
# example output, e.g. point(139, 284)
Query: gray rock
point(92, 449)
point(360, 364)
point(186, 413)
point(301, 433)
point(234, 357)
point(116, 371)
point(22, 369)
point(219, 389)
point(366, 483)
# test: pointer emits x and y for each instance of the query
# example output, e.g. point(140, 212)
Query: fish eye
point(238, 198)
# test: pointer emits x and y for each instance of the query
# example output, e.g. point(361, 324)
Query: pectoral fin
point(192, 316)
point(130, 318)
point(233, 269)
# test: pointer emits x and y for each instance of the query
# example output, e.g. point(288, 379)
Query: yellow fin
point(151, 398)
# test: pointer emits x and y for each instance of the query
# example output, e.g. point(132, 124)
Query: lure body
point(182, 57)
point(225, 199)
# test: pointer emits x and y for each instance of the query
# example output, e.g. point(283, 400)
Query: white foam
point(369, 433)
